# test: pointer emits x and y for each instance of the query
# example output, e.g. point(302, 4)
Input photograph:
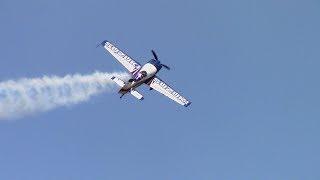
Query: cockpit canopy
point(141, 75)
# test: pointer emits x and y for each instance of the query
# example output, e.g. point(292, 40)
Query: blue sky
point(251, 69)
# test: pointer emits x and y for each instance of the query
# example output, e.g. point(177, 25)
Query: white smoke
point(27, 96)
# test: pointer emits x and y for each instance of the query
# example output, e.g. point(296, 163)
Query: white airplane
point(142, 74)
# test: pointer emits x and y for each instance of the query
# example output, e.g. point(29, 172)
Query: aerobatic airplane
point(142, 74)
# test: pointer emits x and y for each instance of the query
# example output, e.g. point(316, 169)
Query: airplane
point(145, 74)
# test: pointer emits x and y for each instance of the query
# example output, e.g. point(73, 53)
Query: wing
point(124, 59)
point(166, 90)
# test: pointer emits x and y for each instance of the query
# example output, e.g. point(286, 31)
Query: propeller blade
point(165, 66)
point(156, 57)
point(154, 54)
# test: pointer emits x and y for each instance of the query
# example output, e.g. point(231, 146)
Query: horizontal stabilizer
point(118, 81)
point(136, 94)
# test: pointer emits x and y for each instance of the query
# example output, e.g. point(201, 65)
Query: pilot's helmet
point(144, 73)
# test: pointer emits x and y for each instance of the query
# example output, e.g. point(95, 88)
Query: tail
point(121, 83)
point(123, 91)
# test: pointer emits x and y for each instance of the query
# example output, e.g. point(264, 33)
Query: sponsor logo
point(116, 51)
point(170, 91)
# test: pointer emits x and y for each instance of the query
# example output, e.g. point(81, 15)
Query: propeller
point(154, 54)
point(165, 66)
point(156, 58)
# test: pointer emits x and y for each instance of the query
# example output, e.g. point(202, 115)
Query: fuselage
point(142, 75)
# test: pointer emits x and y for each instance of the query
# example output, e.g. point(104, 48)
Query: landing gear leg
point(121, 96)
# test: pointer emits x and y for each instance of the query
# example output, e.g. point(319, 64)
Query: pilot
point(141, 75)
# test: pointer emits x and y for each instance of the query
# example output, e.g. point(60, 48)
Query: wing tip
point(103, 42)
point(186, 105)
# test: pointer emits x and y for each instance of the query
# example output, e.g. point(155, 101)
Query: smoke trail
point(27, 96)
